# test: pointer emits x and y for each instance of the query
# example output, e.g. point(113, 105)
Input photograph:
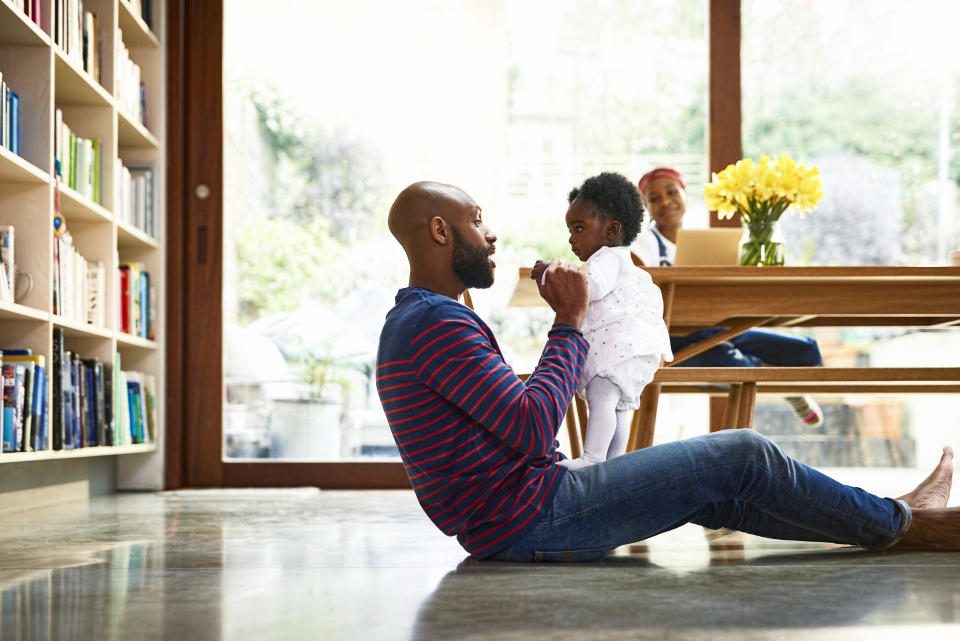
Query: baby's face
point(589, 229)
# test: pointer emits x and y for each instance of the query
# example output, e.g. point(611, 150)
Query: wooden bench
point(742, 384)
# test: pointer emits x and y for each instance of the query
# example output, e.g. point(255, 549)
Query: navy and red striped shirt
point(478, 444)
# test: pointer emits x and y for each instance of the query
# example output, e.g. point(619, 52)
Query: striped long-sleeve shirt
point(478, 444)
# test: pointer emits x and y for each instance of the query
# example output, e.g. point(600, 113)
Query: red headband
point(660, 172)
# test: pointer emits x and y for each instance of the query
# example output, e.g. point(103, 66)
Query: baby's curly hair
point(616, 198)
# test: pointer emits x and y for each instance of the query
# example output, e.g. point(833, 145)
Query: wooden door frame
point(194, 316)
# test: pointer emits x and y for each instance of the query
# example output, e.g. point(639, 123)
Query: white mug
point(24, 285)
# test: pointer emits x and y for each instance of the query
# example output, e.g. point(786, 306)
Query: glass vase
point(762, 244)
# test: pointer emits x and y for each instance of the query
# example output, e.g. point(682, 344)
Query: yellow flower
point(763, 189)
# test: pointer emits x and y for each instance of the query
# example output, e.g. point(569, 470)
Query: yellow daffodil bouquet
point(760, 192)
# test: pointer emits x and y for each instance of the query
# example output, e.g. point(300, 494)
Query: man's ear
point(439, 230)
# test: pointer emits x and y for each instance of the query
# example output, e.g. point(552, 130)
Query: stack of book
point(135, 197)
point(136, 311)
point(99, 404)
point(135, 406)
point(9, 117)
point(79, 285)
point(131, 93)
point(76, 160)
point(24, 417)
point(77, 32)
point(29, 7)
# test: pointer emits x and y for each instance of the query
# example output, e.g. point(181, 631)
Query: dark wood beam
point(725, 143)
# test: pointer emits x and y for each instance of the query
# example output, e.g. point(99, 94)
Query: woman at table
point(666, 195)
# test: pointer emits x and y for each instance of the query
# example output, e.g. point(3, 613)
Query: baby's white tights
point(607, 428)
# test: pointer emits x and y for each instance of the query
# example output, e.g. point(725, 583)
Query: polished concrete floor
point(305, 564)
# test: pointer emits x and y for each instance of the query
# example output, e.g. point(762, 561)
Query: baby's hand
point(538, 268)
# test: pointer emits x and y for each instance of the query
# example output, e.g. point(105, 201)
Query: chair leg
point(748, 402)
point(644, 419)
point(733, 407)
point(581, 416)
point(573, 432)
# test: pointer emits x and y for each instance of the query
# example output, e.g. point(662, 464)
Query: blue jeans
point(753, 348)
point(736, 479)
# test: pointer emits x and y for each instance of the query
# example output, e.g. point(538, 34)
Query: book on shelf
point(10, 113)
point(14, 392)
point(96, 411)
point(128, 86)
point(134, 405)
point(91, 44)
point(31, 8)
point(58, 360)
point(77, 160)
point(142, 8)
point(6, 296)
point(71, 433)
point(28, 413)
point(8, 260)
point(77, 32)
point(95, 292)
point(79, 285)
point(135, 196)
point(36, 420)
point(133, 284)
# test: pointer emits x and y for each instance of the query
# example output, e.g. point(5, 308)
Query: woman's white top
point(624, 320)
point(649, 250)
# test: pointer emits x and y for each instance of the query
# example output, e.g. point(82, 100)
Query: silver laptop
point(717, 246)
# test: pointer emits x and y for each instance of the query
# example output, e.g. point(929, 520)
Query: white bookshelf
point(47, 79)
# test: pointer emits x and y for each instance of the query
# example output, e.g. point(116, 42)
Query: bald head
point(411, 212)
point(434, 223)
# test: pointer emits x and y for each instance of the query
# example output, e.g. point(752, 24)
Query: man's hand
point(565, 288)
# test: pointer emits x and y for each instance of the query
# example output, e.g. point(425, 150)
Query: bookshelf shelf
point(15, 311)
point(70, 121)
point(77, 329)
point(15, 169)
point(131, 133)
point(78, 208)
point(74, 86)
point(129, 237)
point(125, 340)
point(16, 28)
point(83, 452)
point(136, 33)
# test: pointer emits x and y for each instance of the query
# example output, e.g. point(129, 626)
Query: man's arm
point(455, 357)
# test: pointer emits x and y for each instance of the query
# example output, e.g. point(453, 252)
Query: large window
point(331, 108)
point(868, 91)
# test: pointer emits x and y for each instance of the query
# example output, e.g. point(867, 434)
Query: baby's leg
point(602, 398)
point(619, 443)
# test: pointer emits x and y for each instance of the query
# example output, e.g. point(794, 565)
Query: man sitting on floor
point(479, 445)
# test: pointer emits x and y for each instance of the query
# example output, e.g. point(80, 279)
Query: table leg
point(748, 402)
point(733, 407)
point(573, 432)
point(644, 418)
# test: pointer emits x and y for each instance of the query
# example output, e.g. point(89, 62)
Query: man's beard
point(470, 263)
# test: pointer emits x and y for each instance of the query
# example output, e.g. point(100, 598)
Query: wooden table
point(741, 298)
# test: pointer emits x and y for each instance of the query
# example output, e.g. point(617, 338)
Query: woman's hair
point(616, 198)
point(660, 172)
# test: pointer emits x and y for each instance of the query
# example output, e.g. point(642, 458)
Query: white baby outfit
point(624, 326)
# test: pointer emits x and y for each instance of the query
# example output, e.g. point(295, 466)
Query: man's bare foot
point(934, 491)
point(933, 529)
